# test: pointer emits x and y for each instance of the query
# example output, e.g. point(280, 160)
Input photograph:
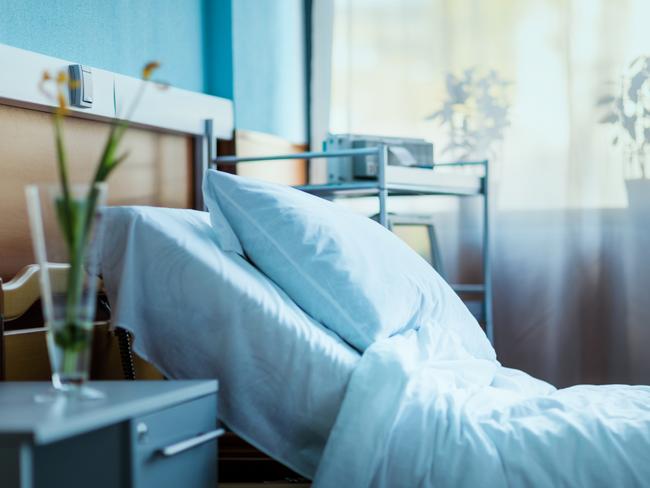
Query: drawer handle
point(181, 446)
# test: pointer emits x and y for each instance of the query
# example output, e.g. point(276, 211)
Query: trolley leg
point(382, 160)
point(487, 269)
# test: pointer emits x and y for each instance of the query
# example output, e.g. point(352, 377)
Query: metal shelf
point(382, 188)
point(371, 189)
point(468, 288)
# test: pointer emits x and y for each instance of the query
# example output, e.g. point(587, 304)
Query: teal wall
point(250, 51)
point(116, 35)
point(217, 48)
point(269, 67)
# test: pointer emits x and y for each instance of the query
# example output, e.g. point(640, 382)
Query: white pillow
point(228, 240)
point(345, 270)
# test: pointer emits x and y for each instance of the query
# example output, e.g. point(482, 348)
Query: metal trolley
point(382, 189)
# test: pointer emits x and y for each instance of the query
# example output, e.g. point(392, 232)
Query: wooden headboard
point(163, 150)
point(157, 172)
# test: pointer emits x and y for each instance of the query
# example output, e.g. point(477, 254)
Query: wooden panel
point(288, 172)
point(27, 358)
point(26, 355)
point(157, 171)
point(106, 364)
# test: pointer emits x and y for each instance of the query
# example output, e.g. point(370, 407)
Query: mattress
point(190, 307)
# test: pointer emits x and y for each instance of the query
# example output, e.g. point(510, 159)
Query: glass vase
point(65, 229)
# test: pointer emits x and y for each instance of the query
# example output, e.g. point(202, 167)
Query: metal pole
point(303, 155)
point(203, 157)
point(487, 269)
point(199, 167)
point(211, 143)
point(382, 160)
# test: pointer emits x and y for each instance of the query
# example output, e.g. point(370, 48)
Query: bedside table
point(143, 434)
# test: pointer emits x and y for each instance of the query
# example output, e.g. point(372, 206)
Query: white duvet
point(420, 411)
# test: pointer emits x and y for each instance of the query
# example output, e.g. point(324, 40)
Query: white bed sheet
point(420, 411)
point(189, 306)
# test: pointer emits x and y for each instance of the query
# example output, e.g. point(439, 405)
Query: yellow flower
point(42, 86)
point(149, 68)
point(61, 78)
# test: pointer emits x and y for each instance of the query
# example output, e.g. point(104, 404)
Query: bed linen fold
point(415, 417)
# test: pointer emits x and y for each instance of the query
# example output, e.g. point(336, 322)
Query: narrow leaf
point(610, 118)
point(605, 100)
point(634, 61)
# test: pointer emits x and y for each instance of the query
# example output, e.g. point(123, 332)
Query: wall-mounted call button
point(81, 88)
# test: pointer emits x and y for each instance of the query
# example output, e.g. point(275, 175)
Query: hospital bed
point(392, 417)
point(414, 410)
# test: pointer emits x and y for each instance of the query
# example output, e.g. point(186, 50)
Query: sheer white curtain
point(571, 276)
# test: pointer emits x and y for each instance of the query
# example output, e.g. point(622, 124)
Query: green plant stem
point(109, 160)
point(70, 360)
point(61, 157)
point(75, 286)
point(63, 177)
point(73, 226)
point(76, 221)
point(80, 215)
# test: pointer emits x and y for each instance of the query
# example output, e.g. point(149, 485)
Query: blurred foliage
point(475, 114)
point(629, 112)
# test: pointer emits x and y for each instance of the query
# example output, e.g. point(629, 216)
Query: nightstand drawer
point(176, 446)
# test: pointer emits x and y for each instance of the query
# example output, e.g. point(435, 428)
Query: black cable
point(126, 353)
point(124, 343)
